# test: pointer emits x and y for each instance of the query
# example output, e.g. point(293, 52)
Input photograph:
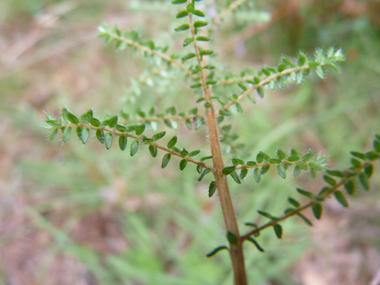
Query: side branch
point(141, 139)
point(155, 118)
point(262, 83)
point(148, 50)
point(308, 205)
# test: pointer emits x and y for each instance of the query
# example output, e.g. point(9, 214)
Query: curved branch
point(148, 50)
point(308, 205)
point(263, 82)
point(116, 132)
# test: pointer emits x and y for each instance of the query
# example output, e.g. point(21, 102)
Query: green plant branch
point(148, 50)
point(236, 249)
point(116, 132)
point(155, 118)
point(225, 12)
point(233, 80)
point(263, 82)
point(308, 205)
point(268, 163)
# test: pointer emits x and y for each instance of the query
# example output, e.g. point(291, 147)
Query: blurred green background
point(83, 215)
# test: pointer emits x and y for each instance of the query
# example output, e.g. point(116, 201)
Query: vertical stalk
point(236, 250)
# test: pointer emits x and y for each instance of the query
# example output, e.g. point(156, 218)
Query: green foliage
point(200, 76)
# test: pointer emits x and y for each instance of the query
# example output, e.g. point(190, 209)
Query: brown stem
point(236, 250)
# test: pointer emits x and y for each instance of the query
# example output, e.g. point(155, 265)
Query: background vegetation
point(83, 215)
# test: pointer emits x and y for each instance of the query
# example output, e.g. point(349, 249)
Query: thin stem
point(236, 250)
point(116, 132)
point(155, 118)
point(269, 163)
point(306, 206)
point(263, 82)
point(163, 56)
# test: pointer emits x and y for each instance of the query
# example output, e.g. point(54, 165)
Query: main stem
point(236, 250)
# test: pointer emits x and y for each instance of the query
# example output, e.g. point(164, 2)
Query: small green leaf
point(315, 166)
point(66, 133)
point(235, 177)
point(190, 8)
point(188, 124)
point(329, 180)
point(113, 121)
point(260, 92)
point(232, 238)
point(308, 156)
point(243, 173)
point(182, 27)
point(140, 129)
point(302, 60)
point(313, 64)
point(281, 170)
point(184, 152)
point(293, 158)
point(369, 170)
point(176, 2)
point(265, 214)
point(278, 230)
point(339, 196)
point(257, 174)
point(100, 135)
point(108, 140)
point(251, 163)
point(356, 163)
point(72, 118)
point(359, 155)
point(85, 134)
point(153, 151)
point(182, 14)
point(335, 173)
point(301, 165)
point(306, 220)
point(294, 202)
point(165, 160)
point(216, 250)
point(317, 210)
point(188, 56)
point(265, 71)
point(275, 160)
point(202, 38)
point(198, 24)
point(172, 142)
point(211, 189)
point(207, 170)
point(187, 42)
point(376, 145)
point(313, 173)
point(259, 157)
point(320, 72)
point(123, 142)
point(206, 157)
point(134, 147)
point(194, 153)
point(297, 171)
point(350, 187)
point(206, 52)
point(198, 13)
point(264, 169)
point(158, 136)
point(363, 178)
point(305, 193)
point(95, 122)
point(208, 105)
point(182, 164)
point(372, 155)
point(256, 244)
point(228, 170)
point(53, 123)
point(53, 134)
